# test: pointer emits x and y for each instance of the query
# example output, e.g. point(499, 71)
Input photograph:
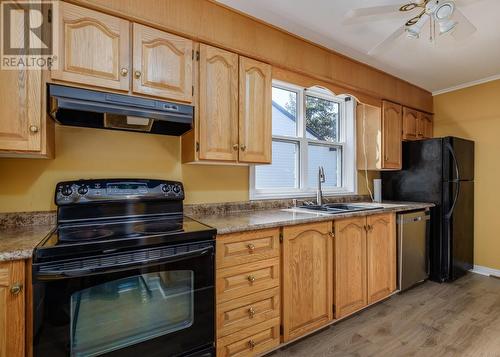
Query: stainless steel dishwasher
point(413, 248)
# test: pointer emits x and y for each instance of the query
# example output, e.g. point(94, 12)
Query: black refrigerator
point(440, 171)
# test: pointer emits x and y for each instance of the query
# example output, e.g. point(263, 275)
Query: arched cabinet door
point(163, 64)
point(307, 278)
point(392, 133)
point(381, 256)
point(255, 135)
point(350, 266)
point(93, 48)
point(218, 104)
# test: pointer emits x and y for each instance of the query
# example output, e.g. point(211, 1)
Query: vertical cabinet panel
point(255, 136)
point(307, 278)
point(410, 119)
point(350, 266)
point(12, 309)
point(391, 129)
point(21, 125)
point(381, 256)
point(163, 64)
point(218, 104)
point(93, 48)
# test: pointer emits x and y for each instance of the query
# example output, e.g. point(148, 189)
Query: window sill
point(254, 196)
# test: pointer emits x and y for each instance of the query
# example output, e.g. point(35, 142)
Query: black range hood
point(94, 109)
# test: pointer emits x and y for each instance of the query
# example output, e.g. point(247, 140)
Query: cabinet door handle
point(251, 344)
point(16, 289)
point(251, 247)
point(235, 147)
point(251, 312)
point(251, 278)
point(332, 235)
point(34, 129)
point(137, 74)
point(124, 72)
point(243, 147)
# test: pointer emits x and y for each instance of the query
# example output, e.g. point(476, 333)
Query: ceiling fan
point(442, 16)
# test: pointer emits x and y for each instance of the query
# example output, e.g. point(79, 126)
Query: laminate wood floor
point(458, 319)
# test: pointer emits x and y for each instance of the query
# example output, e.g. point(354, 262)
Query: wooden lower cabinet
point(307, 279)
point(350, 266)
point(252, 341)
point(12, 309)
point(248, 293)
point(381, 256)
point(365, 261)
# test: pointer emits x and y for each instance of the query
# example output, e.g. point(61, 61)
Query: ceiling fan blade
point(352, 15)
point(385, 43)
point(464, 28)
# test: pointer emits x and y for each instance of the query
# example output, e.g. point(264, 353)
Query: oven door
point(155, 302)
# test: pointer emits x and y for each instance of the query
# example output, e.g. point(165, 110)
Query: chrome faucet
point(321, 179)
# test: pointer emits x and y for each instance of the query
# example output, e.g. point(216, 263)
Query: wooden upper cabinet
point(350, 266)
point(410, 118)
point(307, 278)
point(12, 309)
point(424, 126)
point(218, 104)
point(381, 256)
point(255, 125)
point(93, 48)
point(163, 64)
point(21, 125)
point(391, 135)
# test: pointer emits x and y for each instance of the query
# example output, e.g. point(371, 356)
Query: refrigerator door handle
point(457, 181)
point(455, 161)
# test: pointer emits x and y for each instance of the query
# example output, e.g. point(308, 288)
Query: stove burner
point(83, 234)
point(162, 227)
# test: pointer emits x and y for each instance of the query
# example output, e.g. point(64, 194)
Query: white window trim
point(347, 143)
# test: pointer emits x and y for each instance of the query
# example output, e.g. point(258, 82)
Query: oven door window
point(127, 311)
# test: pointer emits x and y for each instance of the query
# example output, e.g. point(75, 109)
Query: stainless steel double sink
point(333, 208)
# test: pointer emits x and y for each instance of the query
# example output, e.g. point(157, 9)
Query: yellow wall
point(474, 113)
point(28, 184)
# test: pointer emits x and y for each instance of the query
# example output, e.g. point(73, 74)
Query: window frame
point(346, 144)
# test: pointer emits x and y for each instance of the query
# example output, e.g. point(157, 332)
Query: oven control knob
point(82, 190)
point(166, 188)
point(177, 189)
point(66, 191)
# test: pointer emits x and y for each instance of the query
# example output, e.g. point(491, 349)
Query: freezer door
point(420, 179)
point(458, 228)
point(458, 159)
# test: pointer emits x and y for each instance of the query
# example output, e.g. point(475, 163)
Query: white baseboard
point(478, 269)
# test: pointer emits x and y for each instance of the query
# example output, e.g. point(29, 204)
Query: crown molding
point(466, 85)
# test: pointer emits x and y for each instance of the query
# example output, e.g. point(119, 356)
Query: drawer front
point(252, 341)
point(246, 279)
point(247, 247)
point(247, 311)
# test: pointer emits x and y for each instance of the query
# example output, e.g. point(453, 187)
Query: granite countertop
point(251, 220)
point(19, 242)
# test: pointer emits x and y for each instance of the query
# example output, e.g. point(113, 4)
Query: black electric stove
point(125, 272)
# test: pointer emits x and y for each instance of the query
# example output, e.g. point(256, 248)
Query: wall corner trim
point(478, 269)
point(466, 85)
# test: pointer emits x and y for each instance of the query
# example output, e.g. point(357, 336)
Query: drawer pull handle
point(251, 247)
point(251, 312)
point(251, 344)
point(16, 289)
point(251, 278)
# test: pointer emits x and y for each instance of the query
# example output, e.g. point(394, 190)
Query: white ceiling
point(435, 67)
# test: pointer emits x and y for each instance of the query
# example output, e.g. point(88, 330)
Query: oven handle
point(75, 273)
